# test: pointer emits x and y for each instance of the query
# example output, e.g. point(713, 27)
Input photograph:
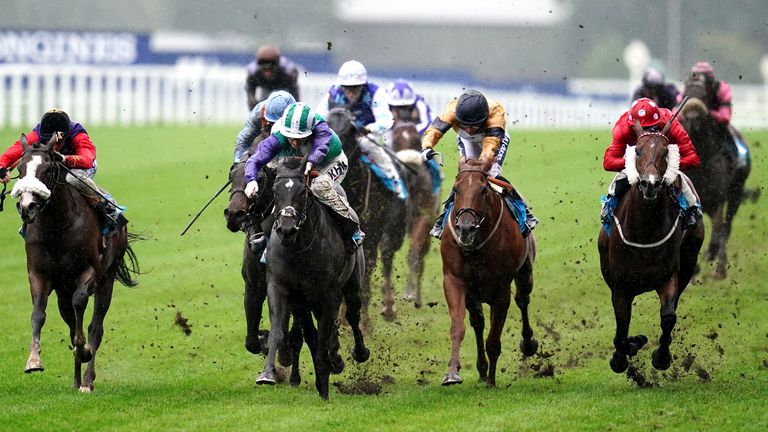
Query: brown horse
point(718, 181)
point(647, 249)
point(66, 254)
point(483, 254)
point(423, 201)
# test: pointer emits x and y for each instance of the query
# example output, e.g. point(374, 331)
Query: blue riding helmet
point(277, 102)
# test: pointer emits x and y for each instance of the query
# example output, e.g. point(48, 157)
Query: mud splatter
point(183, 323)
point(638, 377)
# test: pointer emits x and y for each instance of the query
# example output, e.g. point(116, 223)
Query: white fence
point(204, 94)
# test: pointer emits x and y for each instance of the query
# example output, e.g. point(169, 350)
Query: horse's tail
point(129, 264)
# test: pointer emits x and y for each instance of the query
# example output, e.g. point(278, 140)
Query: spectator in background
point(270, 72)
point(655, 88)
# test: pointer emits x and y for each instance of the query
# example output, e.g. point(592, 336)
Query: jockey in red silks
point(77, 152)
point(681, 153)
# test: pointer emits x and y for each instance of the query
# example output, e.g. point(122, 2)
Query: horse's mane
point(291, 163)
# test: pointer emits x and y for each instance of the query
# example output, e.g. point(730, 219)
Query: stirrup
point(256, 241)
point(436, 232)
point(358, 237)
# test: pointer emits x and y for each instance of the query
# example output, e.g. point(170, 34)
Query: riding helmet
point(277, 102)
point(645, 111)
point(400, 93)
point(352, 73)
point(54, 120)
point(297, 121)
point(267, 54)
point(472, 108)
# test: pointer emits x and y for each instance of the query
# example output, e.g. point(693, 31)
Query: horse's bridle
point(476, 216)
point(652, 162)
point(291, 211)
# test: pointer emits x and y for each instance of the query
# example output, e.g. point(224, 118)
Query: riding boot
point(692, 216)
point(619, 186)
point(437, 229)
point(258, 241)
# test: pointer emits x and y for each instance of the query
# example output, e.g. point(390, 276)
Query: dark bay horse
point(66, 254)
point(308, 274)
point(647, 249)
point(381, 212)
point(246, 215)
point(483, 254)
point(423, 205)
point(718, 181)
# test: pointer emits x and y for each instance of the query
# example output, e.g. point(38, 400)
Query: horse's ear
point(638, 128)
point(24, 142)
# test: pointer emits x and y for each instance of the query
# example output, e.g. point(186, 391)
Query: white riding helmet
point(352, 73)
point(297, 121)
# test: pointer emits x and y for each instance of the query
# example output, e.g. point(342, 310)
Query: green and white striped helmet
point(297, 121)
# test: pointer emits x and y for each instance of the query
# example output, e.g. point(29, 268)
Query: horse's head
point(292, 193)
point(38, 174)
point(696, 90)
point(470, 206)
point(241, 210)
point(342, 122)
point(405, 136)
point(652, 162)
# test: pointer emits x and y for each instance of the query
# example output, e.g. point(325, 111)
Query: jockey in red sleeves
point(652, 119)
point(77, 152)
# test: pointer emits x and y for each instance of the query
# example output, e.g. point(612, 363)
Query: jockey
point(481, 128)
point(77, 152)
point(262, 117)
point(298, 131)
point(719, 104)
point(270, 71)
point(654, 87)
point(366, 101)
point(651, 118)
point(406, 104)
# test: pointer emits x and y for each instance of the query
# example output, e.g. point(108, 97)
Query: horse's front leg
point(455, 295)
point(326, 315)
point(625, 346)
point(493, 343)
point(477, 322)
point(102, 301)
point(68, 315)
point(40, 289)
point(82, 350)
point(668, 294)
point(278, 316)
point(388, 249)
point(253, 302)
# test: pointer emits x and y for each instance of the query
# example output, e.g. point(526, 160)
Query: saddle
point(383, 166)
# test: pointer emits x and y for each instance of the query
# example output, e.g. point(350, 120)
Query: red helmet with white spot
point(646, 111)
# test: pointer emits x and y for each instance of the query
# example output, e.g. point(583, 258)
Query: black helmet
point(472, 108)
point(54, 120)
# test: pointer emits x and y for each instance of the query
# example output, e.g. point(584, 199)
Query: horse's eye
point(484, 190)
point(637, 151)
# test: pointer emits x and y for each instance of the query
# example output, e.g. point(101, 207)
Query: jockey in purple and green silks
point(300, 131)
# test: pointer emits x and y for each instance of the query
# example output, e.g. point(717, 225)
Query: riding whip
point(674, 116)
point(206, 206)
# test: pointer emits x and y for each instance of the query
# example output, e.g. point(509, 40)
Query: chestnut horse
point(483, 254)
point(647, 249)
point(718, 181)
point(66, 253)
point(423, 200)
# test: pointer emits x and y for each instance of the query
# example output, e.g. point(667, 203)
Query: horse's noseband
point(475, 216)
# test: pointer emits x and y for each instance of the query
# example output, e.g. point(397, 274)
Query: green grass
point(152, 376)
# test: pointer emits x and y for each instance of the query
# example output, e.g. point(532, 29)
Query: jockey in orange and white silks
point(480, 126)
point(682, 154)
point(76, 151)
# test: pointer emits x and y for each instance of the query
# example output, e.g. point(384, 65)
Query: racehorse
point(66, 253)
point(305, 236)
point(423, 201)
point(483, 254)
point(381, 212)
point(718, 181)
point(647, 249)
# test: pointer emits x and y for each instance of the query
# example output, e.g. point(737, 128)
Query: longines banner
point(100, 48)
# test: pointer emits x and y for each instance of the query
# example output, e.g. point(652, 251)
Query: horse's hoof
point(389, 313)
point(266, 378)
point(661, 360)
point(718, 275)
point(295, 379)
point(337, 364)
point(361, 354)
point(452, 378)
point(619, 362)
point(86, 388)
point(529, 346)
point(252, 345)
point(34, 366)
point(409, 296)
point(635, 343)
